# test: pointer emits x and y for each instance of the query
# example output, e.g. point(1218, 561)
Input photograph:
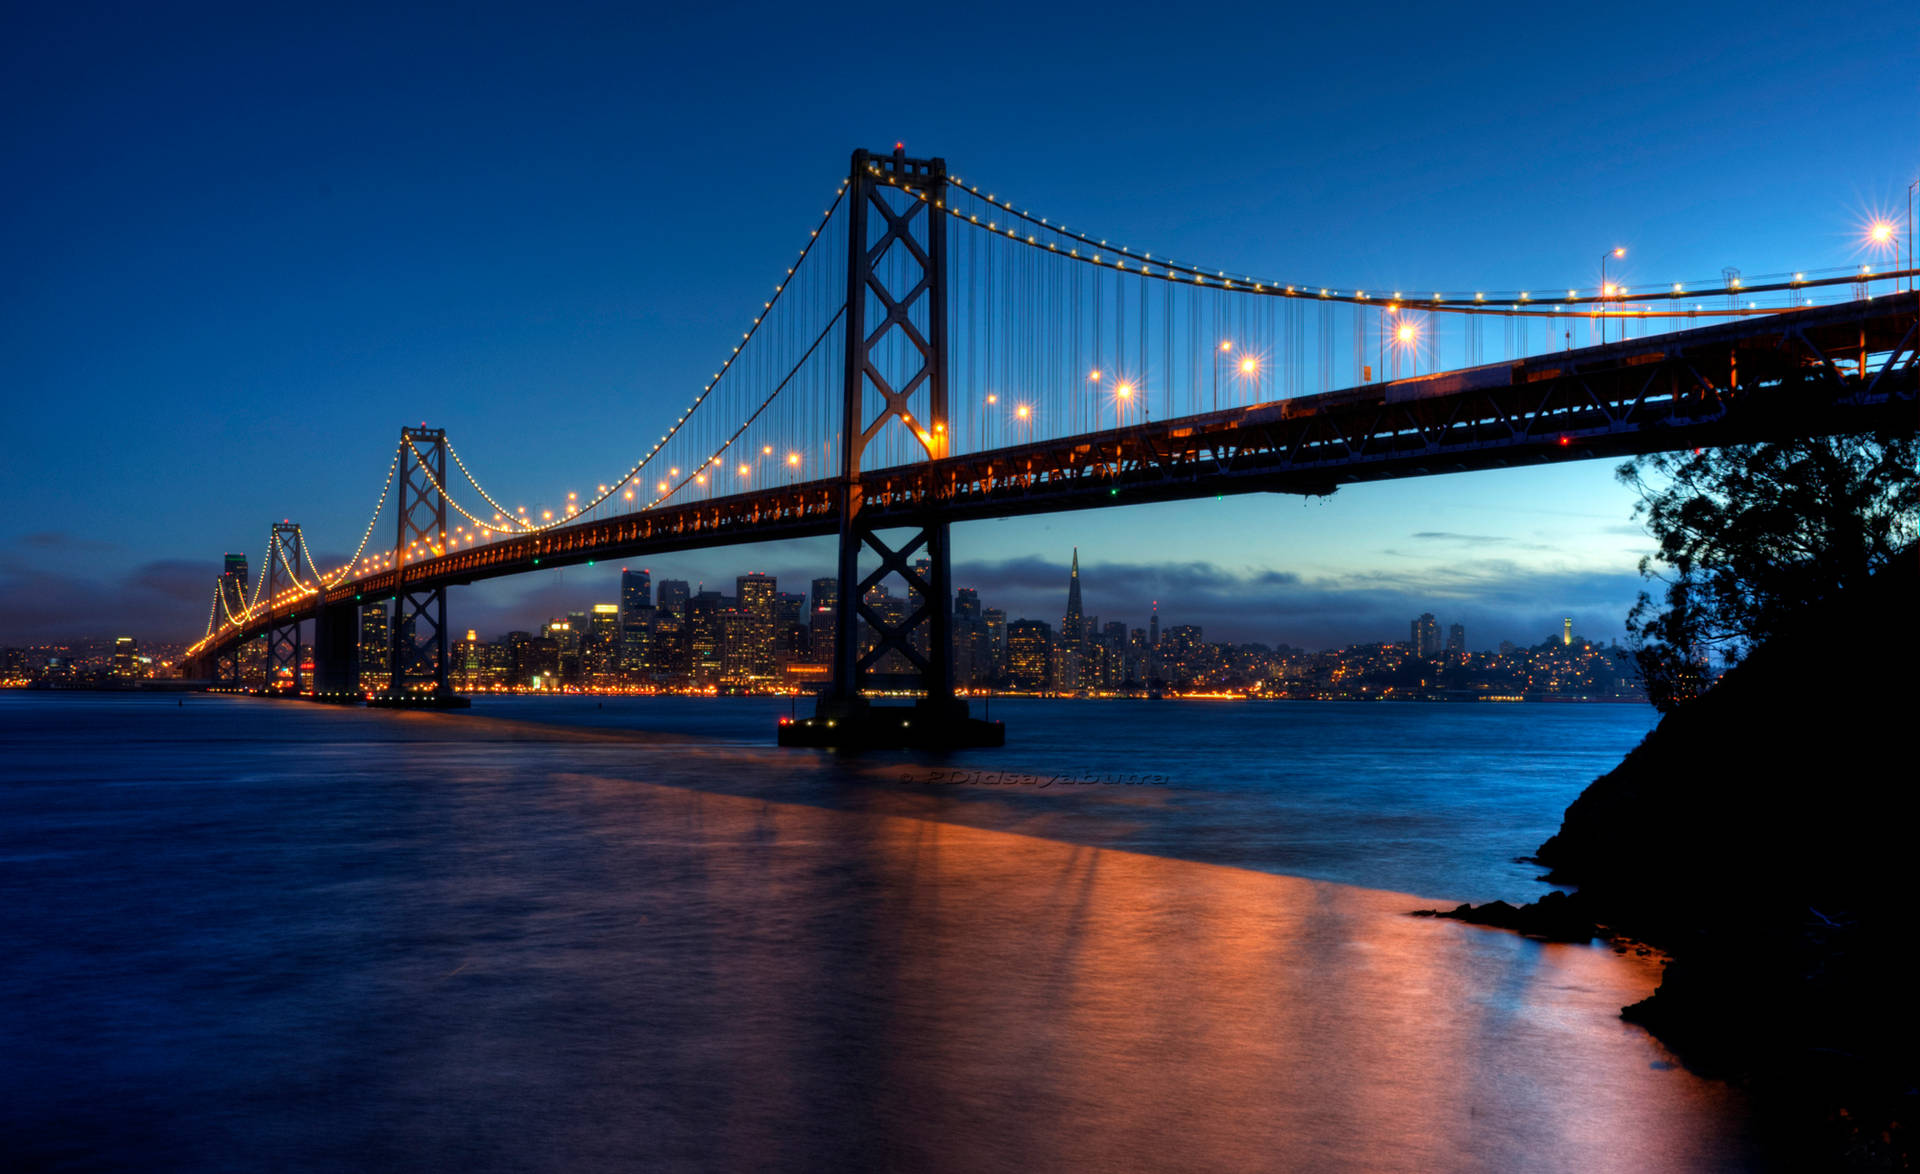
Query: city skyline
point(1299, 614)
point(786, 626)
point(520, 277)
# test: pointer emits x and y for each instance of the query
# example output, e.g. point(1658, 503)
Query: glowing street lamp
point(1606, 290)
point(1406, 336)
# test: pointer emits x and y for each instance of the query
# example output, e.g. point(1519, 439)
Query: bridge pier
point(336, 654)
point(914, 654)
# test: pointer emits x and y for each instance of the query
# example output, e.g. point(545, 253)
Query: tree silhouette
point(1750, 534)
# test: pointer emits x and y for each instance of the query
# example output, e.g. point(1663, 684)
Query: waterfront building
point(917, 639)
point(757, 629)
point(466, 671)
point(1030, 655)
point(825, 597)
point(376, 646)
point(600, 647)
point(1184, 656)
point(789, 631)
point(1113, 655)
point(666, 658)
point(705, 638)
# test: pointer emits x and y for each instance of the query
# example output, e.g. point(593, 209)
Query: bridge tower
point(896, 376)
point(417, 657)
point(286, 553)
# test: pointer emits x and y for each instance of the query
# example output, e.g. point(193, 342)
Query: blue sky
point(243, 246)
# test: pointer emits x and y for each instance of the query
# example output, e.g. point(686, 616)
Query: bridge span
point(1800, 369)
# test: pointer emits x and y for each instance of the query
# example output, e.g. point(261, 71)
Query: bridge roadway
point(1799, 373)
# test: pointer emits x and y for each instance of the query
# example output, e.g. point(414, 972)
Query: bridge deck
point(1844, 368)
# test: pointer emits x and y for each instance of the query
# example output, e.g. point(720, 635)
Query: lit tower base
point(896, 329)
point(861, 725)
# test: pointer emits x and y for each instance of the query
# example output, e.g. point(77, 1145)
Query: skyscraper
point(636, 616)
point(600, 646)
point(705, 636)
point(1030, 654)
point(234, 585)
point(820, 621)
point(970, 655)
point(1456, 641)
point(1426, 636)
point(1113, 664)
point(917, 639)
point(1153, 645)
point(376, 645)
point(672, 598)
point(789, 632)
point(756, 592)
point(1073, 632)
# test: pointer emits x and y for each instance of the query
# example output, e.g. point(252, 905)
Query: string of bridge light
point(500, 511)
point(228, 611)
point(291, 572)
point(326, 579)
point(220, 595)
point(714, 460)
point(336, 576)
point(1480, 302)
point(447, 497)
point(529, 527)
point(665, 491)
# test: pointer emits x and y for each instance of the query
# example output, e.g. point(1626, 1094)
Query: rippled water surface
point(561, 934)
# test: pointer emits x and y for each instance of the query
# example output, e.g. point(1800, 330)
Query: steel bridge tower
point(286, 552)
point(417, 656)
point(896, 294)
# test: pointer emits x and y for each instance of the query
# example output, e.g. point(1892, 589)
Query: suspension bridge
point(937, 353)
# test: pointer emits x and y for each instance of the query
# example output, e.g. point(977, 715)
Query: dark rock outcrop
point(1764, 835)
point(1556, 917)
